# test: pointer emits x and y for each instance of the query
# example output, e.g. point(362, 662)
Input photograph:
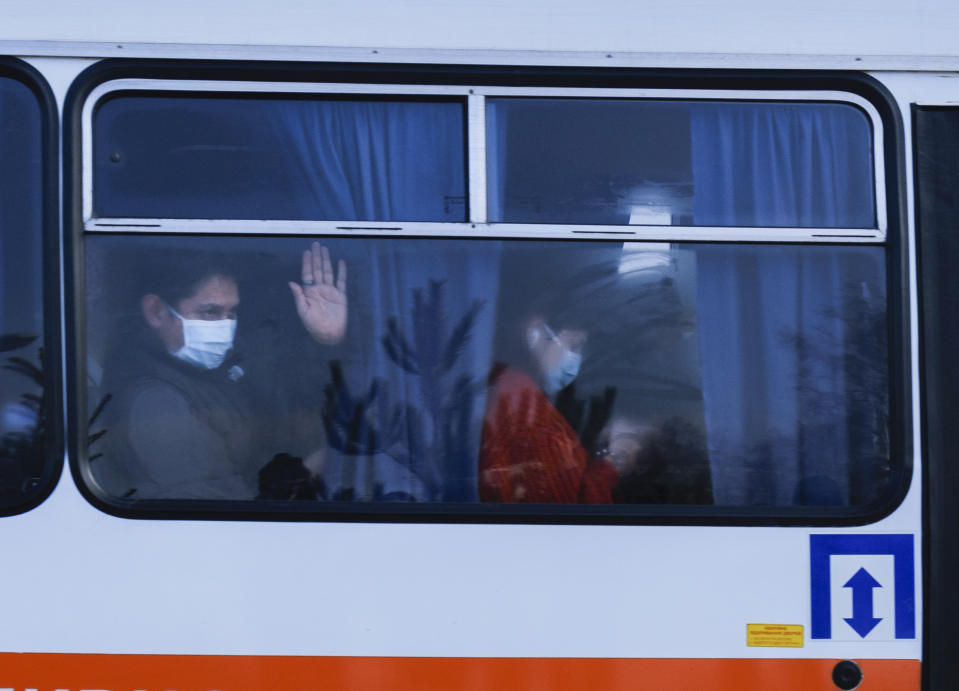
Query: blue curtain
point(422, 312)
point(374, 160)
point(785, 165)
point(427, 309)
point(792, 338)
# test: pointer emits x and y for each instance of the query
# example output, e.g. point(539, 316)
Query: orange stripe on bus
point(76, 672)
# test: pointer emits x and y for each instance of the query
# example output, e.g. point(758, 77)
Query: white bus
point(478, 346)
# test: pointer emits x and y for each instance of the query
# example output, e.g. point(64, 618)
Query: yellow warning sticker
point(774, 635)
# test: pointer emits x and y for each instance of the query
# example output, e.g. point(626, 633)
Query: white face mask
point(205, 343)
point(560, 375)
point(565, 371)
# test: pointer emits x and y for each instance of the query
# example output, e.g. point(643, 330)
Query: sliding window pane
point(489, 372)
point(644, 162)
point(342, 159)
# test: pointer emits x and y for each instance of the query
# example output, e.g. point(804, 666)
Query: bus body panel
point(463, 605)
point(744, 27)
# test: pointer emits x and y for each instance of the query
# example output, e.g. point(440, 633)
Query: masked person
point(529, 452)
point(192, 416)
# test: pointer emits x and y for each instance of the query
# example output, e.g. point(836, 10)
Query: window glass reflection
point(344, 159)
point(465, 371)
point(606, 161)
point(24, 422)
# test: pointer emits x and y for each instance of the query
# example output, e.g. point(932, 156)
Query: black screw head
point(115, 157)
point(846, 675)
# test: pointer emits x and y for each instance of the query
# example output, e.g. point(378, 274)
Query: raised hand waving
point(321, 300)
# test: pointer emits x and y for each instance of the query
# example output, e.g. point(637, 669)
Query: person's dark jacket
point(175, 430)
point(178, 431)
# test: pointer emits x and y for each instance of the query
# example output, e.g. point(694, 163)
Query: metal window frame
point(888, 142)
point(478, 225)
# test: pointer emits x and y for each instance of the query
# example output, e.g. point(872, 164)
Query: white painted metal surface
point(696, 30)
point(108, 584)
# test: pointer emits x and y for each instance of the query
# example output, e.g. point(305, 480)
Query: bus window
point(344, 159)
point(26, 381)
point(680, 163)
point(488, 371)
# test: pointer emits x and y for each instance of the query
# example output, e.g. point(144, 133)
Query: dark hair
point(176, 275)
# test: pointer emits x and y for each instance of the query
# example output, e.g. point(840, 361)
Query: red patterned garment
point(530, 454)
